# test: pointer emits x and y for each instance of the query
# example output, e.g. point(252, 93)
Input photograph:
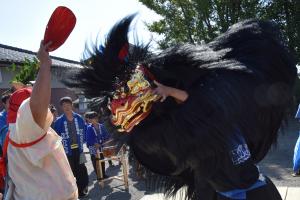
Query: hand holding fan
point(59, 27)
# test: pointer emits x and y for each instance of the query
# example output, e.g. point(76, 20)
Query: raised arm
point(41, 92)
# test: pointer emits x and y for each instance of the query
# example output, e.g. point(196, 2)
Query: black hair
point(52, 108)
point(5, 97)
point(90, 115)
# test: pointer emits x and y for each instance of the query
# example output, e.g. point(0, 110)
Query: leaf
point(28, 71)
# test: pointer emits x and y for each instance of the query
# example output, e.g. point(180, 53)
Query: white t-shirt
point(41, 171)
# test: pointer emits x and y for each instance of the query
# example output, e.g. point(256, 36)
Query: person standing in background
point(54, 113)
point(96, 136)
point(71, 127)
point(296, 159)
point(3, 119)
point(3, 113)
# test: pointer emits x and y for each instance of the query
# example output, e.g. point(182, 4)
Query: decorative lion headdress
point(111, 67)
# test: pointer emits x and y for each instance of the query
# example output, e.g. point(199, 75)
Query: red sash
point(4, 150)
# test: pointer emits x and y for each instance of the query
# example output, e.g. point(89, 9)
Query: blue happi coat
point(3, 126)
point(61, 127)
point(3, 119)
point(296, 159)
point(93, 137)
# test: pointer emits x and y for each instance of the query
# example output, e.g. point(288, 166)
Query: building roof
point(9, 55)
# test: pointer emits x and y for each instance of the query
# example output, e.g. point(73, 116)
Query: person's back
point(37, 163)
point(37, 171)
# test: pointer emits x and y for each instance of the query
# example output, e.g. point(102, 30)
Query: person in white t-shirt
point(37, 164)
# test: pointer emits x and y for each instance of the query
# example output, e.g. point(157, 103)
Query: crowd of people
point(44, 149)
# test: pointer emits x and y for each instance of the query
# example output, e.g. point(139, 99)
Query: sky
point(23, 22)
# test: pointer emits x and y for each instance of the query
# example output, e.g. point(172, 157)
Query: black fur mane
point(242, 81)
point(102, 68)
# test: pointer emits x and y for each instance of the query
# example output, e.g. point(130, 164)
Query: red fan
point(59, 27)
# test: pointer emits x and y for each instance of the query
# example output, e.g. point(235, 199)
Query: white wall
point(6, 76)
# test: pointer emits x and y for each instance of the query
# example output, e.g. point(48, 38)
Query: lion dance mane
point(239, 86)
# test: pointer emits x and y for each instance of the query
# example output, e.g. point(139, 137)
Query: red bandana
point(15, 101)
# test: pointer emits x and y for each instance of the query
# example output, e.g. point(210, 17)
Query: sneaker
point(86, 190)
point(82, 195)
point(111, 165)
point(295, 174)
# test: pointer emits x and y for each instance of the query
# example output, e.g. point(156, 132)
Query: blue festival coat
point(92, 137)
point(3, 119)
point(296, 159)
point(60, 126)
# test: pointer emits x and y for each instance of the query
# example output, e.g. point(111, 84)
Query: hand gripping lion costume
point(239, 87)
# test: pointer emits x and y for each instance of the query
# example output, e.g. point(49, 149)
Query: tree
point(195, 20)
point(287, 14)
point(28, 71)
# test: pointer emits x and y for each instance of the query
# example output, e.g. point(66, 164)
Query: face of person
point(67, 107)
point(94, 120)
point(88, 120)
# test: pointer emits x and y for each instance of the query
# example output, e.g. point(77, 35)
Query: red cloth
point(15, 101)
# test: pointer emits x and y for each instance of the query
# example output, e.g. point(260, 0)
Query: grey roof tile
point(9, 54)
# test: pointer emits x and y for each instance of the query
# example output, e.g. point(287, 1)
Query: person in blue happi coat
point(3, 113)
point(71, 127)
point(96, 136)
point(296, 159)
point(3, 119)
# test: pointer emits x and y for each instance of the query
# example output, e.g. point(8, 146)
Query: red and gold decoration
point(131, 106)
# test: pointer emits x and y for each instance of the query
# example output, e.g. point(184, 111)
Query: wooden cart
point(109, 154)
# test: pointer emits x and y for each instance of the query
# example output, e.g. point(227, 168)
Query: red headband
point(15, 101)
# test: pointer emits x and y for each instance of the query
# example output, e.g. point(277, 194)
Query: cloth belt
point(24, 145)
point(3, 162)
point(74, 146)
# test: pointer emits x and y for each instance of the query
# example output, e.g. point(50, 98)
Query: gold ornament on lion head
point(133, 102)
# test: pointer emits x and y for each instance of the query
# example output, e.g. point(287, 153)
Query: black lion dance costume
point(238, 86)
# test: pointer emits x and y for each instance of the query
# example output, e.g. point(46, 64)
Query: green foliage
point(287, 14)
point(194, 21)
point(28, 71)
